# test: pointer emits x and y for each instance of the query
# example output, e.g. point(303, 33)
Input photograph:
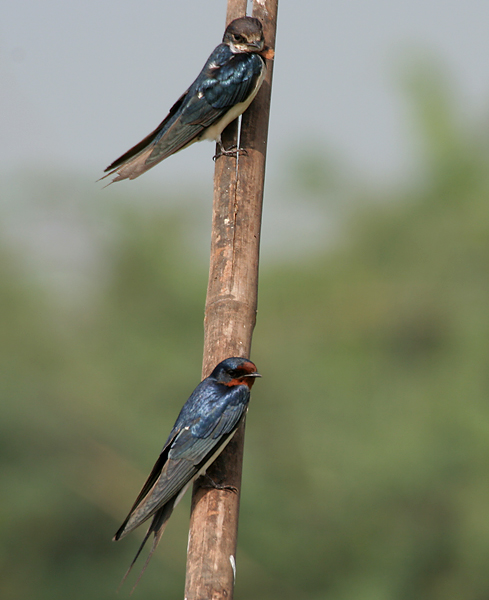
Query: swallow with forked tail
point(224, 89)
point(206, 423)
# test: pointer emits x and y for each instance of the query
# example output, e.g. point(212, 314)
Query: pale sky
point(81, 82)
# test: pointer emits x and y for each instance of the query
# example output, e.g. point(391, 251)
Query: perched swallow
point(206, 423)
point(224, 89)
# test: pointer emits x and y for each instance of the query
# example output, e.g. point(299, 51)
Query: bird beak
point(251, 375)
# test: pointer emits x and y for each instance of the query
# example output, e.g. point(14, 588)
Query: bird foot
point(231, 151)
point(216, 486)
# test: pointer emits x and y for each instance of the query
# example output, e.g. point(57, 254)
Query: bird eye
point(238, 37)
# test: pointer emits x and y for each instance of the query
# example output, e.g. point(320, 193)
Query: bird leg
point(231, 151)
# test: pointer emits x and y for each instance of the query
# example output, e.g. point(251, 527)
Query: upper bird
point(224, 89)
point(206, 423)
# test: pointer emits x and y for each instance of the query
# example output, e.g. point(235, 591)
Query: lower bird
point(206, 423)
point(224, 89)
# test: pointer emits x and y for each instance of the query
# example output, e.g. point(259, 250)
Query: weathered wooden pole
point(230, 315)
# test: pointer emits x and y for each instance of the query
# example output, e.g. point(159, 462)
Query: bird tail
point(134, 167)
point(158, 525)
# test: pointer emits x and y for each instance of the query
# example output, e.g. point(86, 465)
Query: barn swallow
point(224, 89)
point(206, 423)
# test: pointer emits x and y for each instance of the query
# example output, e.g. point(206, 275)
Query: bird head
point(244, 35)
point(235, 371)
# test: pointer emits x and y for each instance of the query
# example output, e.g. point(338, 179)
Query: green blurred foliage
point(367, 444)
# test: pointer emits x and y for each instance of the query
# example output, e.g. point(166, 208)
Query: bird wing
point(143, 144)
point(233, 81)
point(187, 450)
point(222, 83)
point(146, 490)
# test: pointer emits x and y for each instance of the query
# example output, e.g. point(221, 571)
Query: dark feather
point(143, 144)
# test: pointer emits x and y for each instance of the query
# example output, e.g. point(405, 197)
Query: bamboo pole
point(230, 316)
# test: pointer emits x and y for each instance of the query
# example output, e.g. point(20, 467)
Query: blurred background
point(365, 471)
